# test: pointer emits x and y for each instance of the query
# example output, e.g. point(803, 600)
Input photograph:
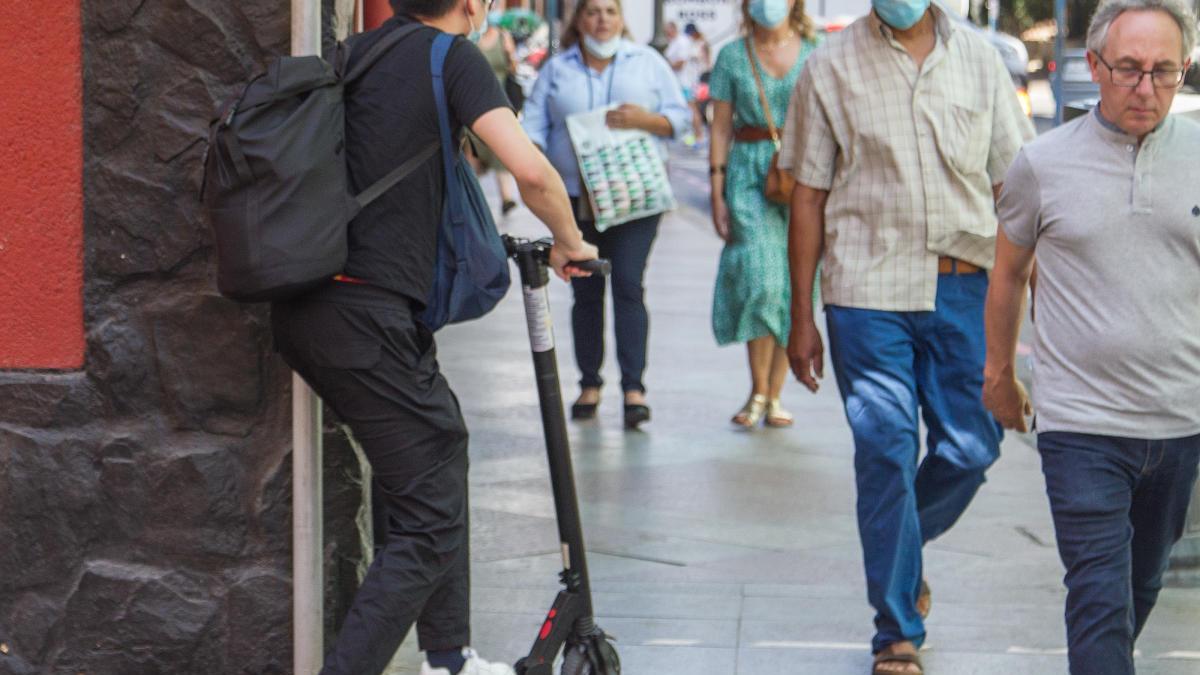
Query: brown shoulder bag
point(779, 182)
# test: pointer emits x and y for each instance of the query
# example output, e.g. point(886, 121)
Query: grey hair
point(1109, 10)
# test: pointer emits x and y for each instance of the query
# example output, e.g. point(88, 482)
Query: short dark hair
point(426, 8)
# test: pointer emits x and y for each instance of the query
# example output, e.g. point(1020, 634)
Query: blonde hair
point(570, 36)
point(799, 21)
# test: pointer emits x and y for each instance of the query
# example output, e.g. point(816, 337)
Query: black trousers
point(628, 247)
point(361, 350)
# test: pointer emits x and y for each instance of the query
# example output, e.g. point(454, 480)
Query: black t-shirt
point(390, 116)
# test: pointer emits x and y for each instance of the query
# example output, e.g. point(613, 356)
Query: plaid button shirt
point(909, 158)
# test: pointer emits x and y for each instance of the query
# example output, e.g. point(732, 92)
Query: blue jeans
point(889, 365)
point(1119, 505)
point(628, 247)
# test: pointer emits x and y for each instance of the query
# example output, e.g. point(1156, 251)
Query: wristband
point(716, 169)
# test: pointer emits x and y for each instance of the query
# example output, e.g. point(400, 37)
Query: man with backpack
point(358, 341)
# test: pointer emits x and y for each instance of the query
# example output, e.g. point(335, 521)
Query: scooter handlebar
point(599, 266)
point(538, 251)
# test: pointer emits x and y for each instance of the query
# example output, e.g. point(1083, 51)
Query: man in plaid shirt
point(899, 134)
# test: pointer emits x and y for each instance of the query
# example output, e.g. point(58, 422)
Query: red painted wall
point(41, 191)
point(375, 12)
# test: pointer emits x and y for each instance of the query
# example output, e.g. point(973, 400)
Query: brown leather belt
point(752, 134)
point(948, 265)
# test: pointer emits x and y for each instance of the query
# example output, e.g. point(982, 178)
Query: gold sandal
point(776, 416)
point(751, 413)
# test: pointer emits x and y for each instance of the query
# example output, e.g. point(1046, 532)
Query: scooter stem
point(532, 259)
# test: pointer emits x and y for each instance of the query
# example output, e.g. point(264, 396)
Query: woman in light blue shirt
point(600, 67)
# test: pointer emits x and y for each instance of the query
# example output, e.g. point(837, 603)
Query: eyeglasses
point(1122, 76)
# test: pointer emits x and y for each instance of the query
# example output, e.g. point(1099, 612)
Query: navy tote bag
point(471, 271)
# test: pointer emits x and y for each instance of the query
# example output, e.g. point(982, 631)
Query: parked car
point(1014, 54)
point(1016, 60)
point(1192, 77)
point(1075, 77)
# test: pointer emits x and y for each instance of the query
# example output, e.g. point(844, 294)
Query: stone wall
point(145, 500)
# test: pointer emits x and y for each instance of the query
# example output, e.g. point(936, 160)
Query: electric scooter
point(570, 624)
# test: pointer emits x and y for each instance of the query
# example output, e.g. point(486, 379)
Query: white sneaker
point(473, 666)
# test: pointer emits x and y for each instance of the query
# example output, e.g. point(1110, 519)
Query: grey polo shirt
point(1116, 232)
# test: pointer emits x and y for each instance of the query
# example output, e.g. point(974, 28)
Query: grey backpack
point(275, 188)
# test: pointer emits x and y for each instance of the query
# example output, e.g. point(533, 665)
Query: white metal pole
point(307, 548)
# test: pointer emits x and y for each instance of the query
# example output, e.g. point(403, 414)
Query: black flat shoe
point(507, 206)
point(636, 414)
point(584, 411)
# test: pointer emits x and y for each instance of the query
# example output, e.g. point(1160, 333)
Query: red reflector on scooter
point(546, 628)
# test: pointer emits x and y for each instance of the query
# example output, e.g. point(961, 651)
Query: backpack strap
point(381, 47)
point(377, 51)
point(437, 64)
point(395, 176)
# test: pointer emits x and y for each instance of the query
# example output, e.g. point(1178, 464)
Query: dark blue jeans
point(628, 247)
point(889, 365)
point(1119, 505)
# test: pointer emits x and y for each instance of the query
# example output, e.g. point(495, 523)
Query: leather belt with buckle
point(948, 265)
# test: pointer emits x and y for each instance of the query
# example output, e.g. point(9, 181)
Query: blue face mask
point(900, 14)
point(769, 13)
point(477, 33)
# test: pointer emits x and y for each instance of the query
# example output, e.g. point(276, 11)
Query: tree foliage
point(1017, 16)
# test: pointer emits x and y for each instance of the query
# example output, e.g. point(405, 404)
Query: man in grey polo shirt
point(1109, 207)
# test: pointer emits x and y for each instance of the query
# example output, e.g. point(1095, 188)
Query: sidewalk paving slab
point(724, 552)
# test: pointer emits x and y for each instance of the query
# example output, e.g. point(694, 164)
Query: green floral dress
point(753, 293)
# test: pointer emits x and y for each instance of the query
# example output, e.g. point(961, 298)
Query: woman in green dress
point(753, 292)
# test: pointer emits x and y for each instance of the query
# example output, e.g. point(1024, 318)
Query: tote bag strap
point(437, 61)
point(453, 190)
point(762, 92)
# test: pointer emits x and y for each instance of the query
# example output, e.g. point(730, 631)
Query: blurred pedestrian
point(499, 49)
point(752, 299)
point(1117, 355)
point(679, 48)
point(358, 343)
point(899, 134)
point(600, 67)
point(699, 62)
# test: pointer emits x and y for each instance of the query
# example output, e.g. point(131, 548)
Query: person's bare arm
point(1003, 394)
point(631, 116)
point(806, 241)
point(996, 190)
point(720, 136)
point(541, 187)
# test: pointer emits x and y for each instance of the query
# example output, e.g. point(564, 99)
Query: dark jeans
point(362, 352)
point(628, 247)
point(889, 365)
point(1119, 505)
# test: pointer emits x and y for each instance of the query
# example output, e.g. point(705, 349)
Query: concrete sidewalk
point(715, 551)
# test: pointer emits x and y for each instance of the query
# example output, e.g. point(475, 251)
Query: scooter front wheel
point(580, 660)
point(576, 661)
